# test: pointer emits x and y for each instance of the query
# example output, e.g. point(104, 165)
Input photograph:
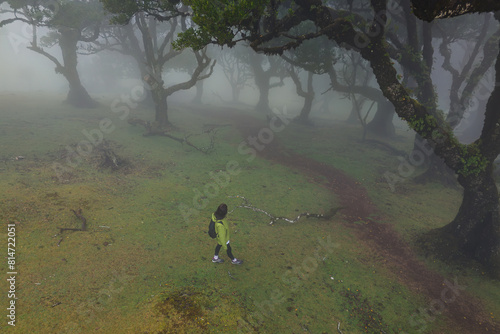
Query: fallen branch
point(338, 328)
point(246, 205)
point(78, 214)
point(153, 130)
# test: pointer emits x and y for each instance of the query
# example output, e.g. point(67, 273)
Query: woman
point(223, 235)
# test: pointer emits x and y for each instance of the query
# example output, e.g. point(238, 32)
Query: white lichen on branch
point(247, 205)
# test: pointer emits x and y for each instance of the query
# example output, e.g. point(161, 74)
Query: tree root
point(247, 205)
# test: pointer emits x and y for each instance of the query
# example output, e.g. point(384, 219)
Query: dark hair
point(221, 211)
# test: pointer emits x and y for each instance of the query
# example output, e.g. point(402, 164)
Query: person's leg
point(229, 252)
point(216, 259)
point(217, 249)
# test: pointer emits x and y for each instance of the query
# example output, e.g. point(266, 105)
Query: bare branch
point(247, 205)
point(14, 19)
point(211, 131)
point(203, 62)
point(59, 66)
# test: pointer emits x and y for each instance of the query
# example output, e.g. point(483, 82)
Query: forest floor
point(464, 311)
point(143, 263)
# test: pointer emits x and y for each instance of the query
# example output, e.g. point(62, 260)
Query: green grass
point(411, 208)
point(144, 267)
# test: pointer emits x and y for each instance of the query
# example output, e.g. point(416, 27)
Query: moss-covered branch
point(437, 9)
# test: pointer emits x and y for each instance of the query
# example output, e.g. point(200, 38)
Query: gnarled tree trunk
point(307, 95)
point(263, 83)
point(475, 231)
point(262, 79)
point(161, 107)
point(381, 124)
point(306, 109)
point(355, 111)
point(77, 95)
point(199, 92)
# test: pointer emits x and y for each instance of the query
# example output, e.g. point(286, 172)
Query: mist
point(253, 167)
point(22, 70)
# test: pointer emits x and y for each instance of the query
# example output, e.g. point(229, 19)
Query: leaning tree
point(267, 25)
point(69, 23)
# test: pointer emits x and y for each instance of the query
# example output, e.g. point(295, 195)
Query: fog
point(22, 70)
point(109, 74)
point(356, 180)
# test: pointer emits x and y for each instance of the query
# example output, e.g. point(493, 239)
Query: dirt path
point(464, 311)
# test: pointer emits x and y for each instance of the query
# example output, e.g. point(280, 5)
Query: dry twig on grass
point(152, 130)
point(78, 214)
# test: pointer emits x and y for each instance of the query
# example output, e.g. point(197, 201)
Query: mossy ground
point(143, 266)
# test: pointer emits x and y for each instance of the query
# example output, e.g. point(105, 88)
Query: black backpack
point(211, 229)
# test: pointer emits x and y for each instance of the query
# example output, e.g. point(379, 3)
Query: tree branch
point(152, 131)
point(247, 205)
point(164, 57)
point(59, 66)
point(203, 62)
point(78, 214)
point(438, 9)
point(490, 136)
point(490, 49)
point(14, 19)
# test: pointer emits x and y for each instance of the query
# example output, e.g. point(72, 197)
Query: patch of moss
point(182, 310)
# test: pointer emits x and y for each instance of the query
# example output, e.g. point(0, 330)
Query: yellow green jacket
point(222, 230)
